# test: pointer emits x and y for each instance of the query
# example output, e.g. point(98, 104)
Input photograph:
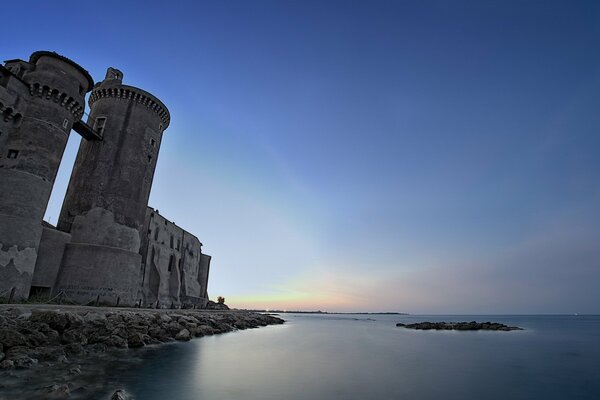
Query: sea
point(365, 356)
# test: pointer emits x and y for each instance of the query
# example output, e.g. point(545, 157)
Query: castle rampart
point(49, 92)
point(101, 249)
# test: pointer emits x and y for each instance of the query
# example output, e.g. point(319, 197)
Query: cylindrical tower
point(50, 90)
point(105, 205)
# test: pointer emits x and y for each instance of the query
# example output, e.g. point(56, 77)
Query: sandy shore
point(60, 352)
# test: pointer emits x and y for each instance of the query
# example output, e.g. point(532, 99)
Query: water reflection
point(319, 357)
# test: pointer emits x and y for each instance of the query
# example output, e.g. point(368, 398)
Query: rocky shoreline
point(61, 341)
point(460, 326)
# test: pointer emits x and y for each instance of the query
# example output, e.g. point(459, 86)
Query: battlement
point(45, 92)
point(133, 94)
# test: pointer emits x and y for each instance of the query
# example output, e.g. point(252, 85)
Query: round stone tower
point(49, 92)
point(105, 205)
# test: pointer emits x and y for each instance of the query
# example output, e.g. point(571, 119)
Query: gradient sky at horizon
point(425, 156)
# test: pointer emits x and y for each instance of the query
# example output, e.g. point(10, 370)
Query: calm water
point(366, 357)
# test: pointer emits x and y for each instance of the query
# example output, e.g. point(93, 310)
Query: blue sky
point(430, 156)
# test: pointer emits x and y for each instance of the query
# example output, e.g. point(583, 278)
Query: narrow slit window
point(171, 261)
point(149, 158)
point(12, 153)
point(156, 233)
point(99, 125)
point(152, 142)
point(171, 241)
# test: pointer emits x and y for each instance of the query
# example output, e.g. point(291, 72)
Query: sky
point(410, 156)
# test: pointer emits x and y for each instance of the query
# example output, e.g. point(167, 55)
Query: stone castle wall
point(108, 246)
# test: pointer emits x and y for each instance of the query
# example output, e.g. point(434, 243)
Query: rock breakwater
point(30, 335)
point(50, 348)
point(460, 326)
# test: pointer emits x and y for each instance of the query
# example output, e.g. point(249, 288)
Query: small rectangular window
point(65, 123)
point(152, 142)
point(171, 262)
point(12, 153)
point(99, 125)
point(156, 234)
point(171, 241)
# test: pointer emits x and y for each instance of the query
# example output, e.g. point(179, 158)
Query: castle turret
point(105, 205)
point(40, 100)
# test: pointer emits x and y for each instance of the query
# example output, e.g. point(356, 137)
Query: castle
point(108, 247)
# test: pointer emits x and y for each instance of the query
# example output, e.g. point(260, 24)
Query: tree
point(221, 300)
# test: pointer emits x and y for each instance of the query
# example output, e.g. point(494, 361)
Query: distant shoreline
point(324, 312)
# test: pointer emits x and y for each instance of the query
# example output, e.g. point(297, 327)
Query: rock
point(115, 341)
point(11, 338)
point(183, 335)
point(202, 330)
point(163, 318)
point(57, 391)
point(7, 364)
point(75, 370)
point(74, 336)
point(120, 395)
point(55, 320)
point(460, 326)
point(73, 349)
point(173, 327)
point(136, 340)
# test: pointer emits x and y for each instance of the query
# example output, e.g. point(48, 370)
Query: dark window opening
point(12, 153)
point(99, 125)
point(40, 292)
point(156, 233)
point(171, 261)
point(152, 142)
point(149, 158)
point(171, 241)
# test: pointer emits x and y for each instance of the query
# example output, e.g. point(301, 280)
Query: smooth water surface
point(367, 357)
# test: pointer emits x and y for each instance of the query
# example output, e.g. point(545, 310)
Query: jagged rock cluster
point(31, 336)
point(460, 326)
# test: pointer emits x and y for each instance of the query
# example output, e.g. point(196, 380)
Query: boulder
point(120, 395)
point(12, 338)
point(136, 340)
point(58, 391)
point(183, 335)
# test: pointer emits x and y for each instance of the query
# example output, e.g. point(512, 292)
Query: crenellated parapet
point(131, 93)
point(45, 92)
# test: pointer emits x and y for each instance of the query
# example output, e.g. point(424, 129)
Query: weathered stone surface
point(183, 335)
point(136, 340)
point(58, 391)
point(460, 326)
point(120, 395)
point(11, 338)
